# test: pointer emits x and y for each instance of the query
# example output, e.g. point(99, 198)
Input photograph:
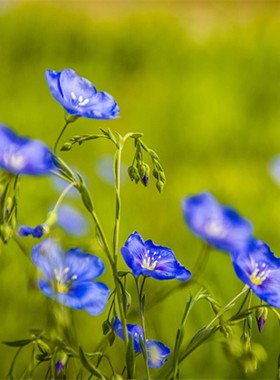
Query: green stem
point(221, 312)
point(142, 314)
point(60, 135)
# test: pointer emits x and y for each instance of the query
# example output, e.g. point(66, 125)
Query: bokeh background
point(201, 80)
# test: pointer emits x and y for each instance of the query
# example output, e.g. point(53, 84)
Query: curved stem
point(60, 135)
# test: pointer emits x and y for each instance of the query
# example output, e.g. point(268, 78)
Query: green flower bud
point(160, 185)
point(133, 173)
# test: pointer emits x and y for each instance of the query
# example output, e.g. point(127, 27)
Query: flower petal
point(96, 298)
point(72, 221)
point(157, 353)
point(133, 252)
point(20, 155)
point(52, 78)
point(221, 226)
point(257, 267)
point(48, 256)
point(83, 265)
point(132, 330)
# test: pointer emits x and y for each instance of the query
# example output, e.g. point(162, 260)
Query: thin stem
point(141, 309)
point(221, 312)
point(62, 195)
point(60, 135)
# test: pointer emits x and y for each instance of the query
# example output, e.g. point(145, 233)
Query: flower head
point(20, 155)
point(149, 259)
point(257, 267)
point(157, 352)
point(68, 278)
point(220, 226)
point(79, 97)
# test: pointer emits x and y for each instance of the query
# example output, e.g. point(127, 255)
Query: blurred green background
point(201, 80)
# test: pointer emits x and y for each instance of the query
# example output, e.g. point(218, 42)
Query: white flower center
point(79, 100)
point(260, 274)
point(150, 261)
point(215, 229)
point(63, 281)
point(13, 160)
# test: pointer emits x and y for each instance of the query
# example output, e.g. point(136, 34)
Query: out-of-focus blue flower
point(157, 352)
point(36, 232)
point(258, 268)
point(79, 97)
point(274, 169)
point(149, 259)
point(68, 278)
point(221, 226)
point(72, 221)
point(104, 169)
point(20, 155)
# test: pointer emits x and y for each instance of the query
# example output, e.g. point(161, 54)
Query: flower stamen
point(259, 275)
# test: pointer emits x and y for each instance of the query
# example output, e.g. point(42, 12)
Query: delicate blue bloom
point(72, 221)
point(79, 97)
point(20, 155)
point(221, 226)
point(274, 169)
point(149, 259)
point(157, 352)
point(258, 268)
point(36, 232)
point(68, 278)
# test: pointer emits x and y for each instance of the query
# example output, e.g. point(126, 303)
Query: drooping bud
point(61, 359)
point(133, 173)
point(261, 317)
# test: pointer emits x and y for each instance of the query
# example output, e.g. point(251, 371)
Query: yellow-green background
point(201, 80)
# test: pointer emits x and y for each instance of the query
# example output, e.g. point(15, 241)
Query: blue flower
point(157, 352)
point(72, 221)
point(68, 278)
point(149, 259)
point(220, 226)
point(79, 97)
point(20, 155)
point(36, 232)
point(258, 268)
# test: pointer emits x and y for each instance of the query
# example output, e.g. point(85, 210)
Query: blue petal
point(52, 78)
point(72, 221)
point(157, 353)
point(222, 227)
point(100, 106)
point(135, 331)
point(133, 252)
point(83, 265)
point(48, 256)
point(258, 268)
point(20, 155)
point(36, 232)
point(96, 298)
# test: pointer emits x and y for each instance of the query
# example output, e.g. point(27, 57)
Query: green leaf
point(88, 365)
point(18, 343)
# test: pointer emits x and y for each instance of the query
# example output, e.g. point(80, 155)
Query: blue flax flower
point(258, 268)
point(68, 278)
point(20, 155)
point(79, 97)
point(37, 232)
point(157, 352)
point(220, 226)
point(149, 259)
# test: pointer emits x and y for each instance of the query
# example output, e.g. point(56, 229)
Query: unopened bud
point(133, 173)
point(261, 317)
point(66, 146)
point(160, 186)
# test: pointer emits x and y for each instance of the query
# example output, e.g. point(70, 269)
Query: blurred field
point(205, 90)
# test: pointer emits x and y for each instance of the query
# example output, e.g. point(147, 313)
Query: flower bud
point(261, 317)
point(133, 173)
point(60, 361)
point(160, 185)
point(66, 146)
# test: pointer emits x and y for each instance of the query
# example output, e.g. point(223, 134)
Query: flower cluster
point(223, 228)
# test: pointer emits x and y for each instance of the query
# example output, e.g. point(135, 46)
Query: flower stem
point(60, 135)
point(230, 303)
point(142, 314)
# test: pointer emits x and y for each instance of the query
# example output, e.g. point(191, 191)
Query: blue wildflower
point(36, 232)
point(258, 268)
point(157, 352)
point(68, 278)
point(149, 259)
point(220, 226)
point(20, 155)
point(79, 97)
point(72, 221)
